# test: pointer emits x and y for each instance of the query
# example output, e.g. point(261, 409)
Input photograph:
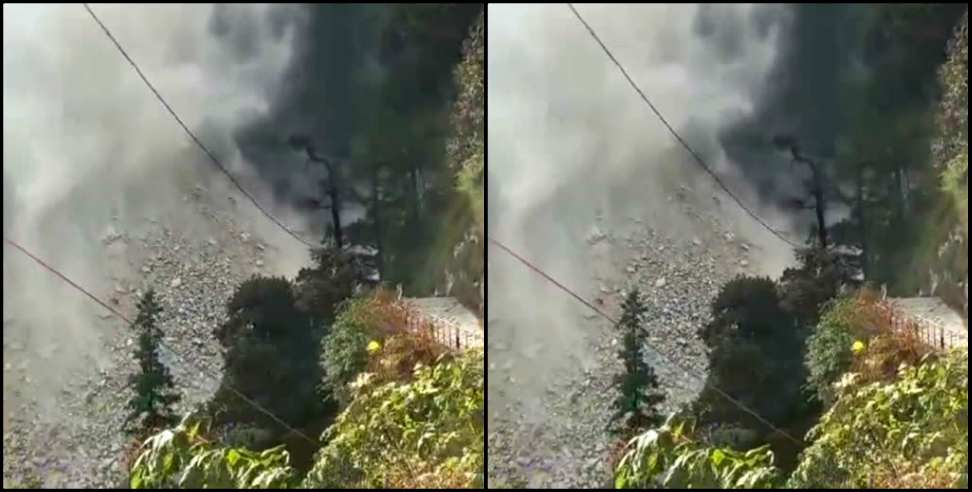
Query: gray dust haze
point(84, 141)
point(569, 138)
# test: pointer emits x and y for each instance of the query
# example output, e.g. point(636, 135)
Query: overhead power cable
point(192, 136)
point(678, 137)
point(662, 356)
point(161, 342)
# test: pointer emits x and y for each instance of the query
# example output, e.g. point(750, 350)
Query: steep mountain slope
point(66, 430)
point(551, 388)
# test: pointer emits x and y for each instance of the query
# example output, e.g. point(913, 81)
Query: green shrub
point(756, 349)
point(818, 278)
point(669, 458)
point(465, 150)
point(912, 432)
point(428, 432)
point(746, 308)
point(423, 433)
point(344, 352)
point(470, 181)
point(378, 317)
point(182, 458)
point(271, 356)
point(395, 358)
point(319, 291)
point(955, 181)
point(860, 319)
point(952, 117)
point(829, 353)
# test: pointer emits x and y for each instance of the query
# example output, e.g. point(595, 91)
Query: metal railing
point(928, 331)
point(443, 331)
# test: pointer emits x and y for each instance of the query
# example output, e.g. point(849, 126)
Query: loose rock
point(192, 287)
point(554, 435)
point(595, 235)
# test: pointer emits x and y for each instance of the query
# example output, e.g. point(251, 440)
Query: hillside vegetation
point(909, 432)
point(845, 396)
point(419, 432)
point(369, 399)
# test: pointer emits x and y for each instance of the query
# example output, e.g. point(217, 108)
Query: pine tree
point(637, 405)
point(153, 384)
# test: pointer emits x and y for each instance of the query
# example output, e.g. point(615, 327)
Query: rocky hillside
point(549, 408)
point(73, 438)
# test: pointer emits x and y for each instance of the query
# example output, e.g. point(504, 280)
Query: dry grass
point(875, 317)
point(909, 479)
point(131, 453)
point(893, 339)
point(617, 452)
point(408, 337)
point(134, 449)
point(385, 315)
point(887, 353)
point(426, 478)
point(390, 316)
point(401, 353)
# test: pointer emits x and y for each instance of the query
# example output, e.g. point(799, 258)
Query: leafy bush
point(955, 181)
point(183, 458)
point(344, 350)
point(755, 356)
point(463, 247)
point(818, 278)
point(950, 151)
point(425, 433)
point(952, 117)
point(746, 308)
point(829, 348)
point(886, 353)
point(271, 357)
point(428, 432)
point(669, 458)
point(319, 291)
point(912, 432)
point(396, 358)
point(151, 406)
point(465, 150)
point(470, 182)
point(378, 317)
point(860, 319)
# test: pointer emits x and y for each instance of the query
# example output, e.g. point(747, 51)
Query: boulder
point(595, 235)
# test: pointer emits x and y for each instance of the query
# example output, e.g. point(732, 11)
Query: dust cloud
point(88, 151)
point(570, 139)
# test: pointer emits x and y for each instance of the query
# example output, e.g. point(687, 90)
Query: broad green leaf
point(717, 457)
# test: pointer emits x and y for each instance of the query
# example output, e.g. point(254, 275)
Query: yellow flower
point(373, 346)
point(858, 347)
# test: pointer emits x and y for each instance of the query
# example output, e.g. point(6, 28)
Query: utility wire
point(192, 136)
point(161, 342)
point(604, 315)
point(695, 155)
